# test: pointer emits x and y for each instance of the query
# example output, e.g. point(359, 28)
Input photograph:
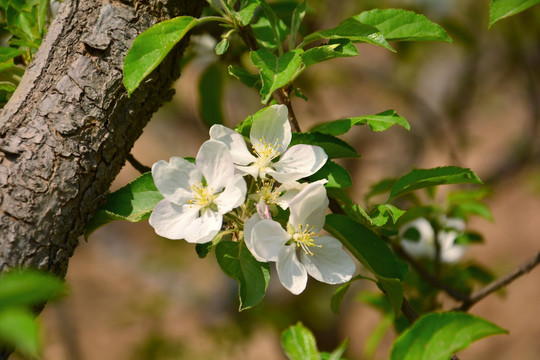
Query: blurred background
point(474, 103)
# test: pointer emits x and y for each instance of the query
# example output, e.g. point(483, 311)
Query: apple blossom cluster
point(256, 196)
point(418, 239)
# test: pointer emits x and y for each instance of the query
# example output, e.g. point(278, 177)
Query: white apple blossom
point(270, 137)
point(300, 251)
point(196, 195)
point(422, 244)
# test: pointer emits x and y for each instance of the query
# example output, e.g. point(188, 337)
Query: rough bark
point(66, 131)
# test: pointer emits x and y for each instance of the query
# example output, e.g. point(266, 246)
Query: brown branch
point(431, 279)
point(500, 283)
point(137, 165)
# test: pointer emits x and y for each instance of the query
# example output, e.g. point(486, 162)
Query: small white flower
point(196, 196)
point(270, 137)
point(418, 240)
point(322, 257)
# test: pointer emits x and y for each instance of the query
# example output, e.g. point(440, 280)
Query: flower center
point(202, 195)
point(303, 237)
point(266, 152)
point(267, 192)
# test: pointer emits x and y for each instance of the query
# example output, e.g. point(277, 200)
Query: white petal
point(309, 207)
point(248, 238)
point(425, 246)
point(171, 220)
point(267, 240)
point(173, 178)
point(234, 142)
point(453, 254)
point(248, 170)
point(272, 126)
point(204, 228)
point(291, 272)
point(450, 253)
point(330, 263)
point(216, 164)
point(290, 189)
point(298, 162)
point(454, 223)
point(233, 195)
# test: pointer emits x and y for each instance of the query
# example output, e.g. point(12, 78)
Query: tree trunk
point(65, 133)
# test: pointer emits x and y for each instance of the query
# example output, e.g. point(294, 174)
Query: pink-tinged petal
point(267, 240)
point(204, 228)
point(171, 220)
point(309, 207)
point(291, 272)
point(234, 142)
point(272, 127)
point(298, 162)
point(173, 178)
point(215, 163)
point(329, 263)
point(233, 195)
point(425, 245)
point(263, 210)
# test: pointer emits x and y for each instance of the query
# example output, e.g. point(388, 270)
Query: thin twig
point(500, 283)
point(431, 279)
point(137, 165)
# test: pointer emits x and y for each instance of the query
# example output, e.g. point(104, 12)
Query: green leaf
point(134, 202)
point(337, 175)
point(264, 32)
point(335, 49)
point(18, 328)
point(353, 30)
point(276, 72)
point(211, 85)
point(151, 47)
point(480, 274)
point(403, 25)
point(252, 276)
point(337, 353)
point(384, 212)
point(381, 187)
point(7, 53)
point(500, 9)
point(422, 178)
point(334, 147)
point(248, 79)
point(7, 86)
point(246, 14)
point(393, 288)
point(43, 8)
point(469, 238)
point(378, 122)
point(29, 288)
point(436, 336)
point(299, 343)
point(372, 252)
point(339, 294)
point(222, 46)
point(465, 209)
point(297, 17)
point(337, 297)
